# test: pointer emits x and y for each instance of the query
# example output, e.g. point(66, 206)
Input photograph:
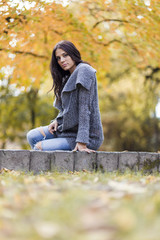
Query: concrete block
point(128, 160)
point(62, 161)
point(15, 159)
point(84, 161)
point(40, 161)
point(148, 162)
point(107, 161)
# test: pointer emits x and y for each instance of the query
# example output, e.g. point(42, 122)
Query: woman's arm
point(84, 120)
point(52, 127)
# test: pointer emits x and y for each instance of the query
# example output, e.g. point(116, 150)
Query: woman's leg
point(39, 134)
point(41, 139)
point(55, 144)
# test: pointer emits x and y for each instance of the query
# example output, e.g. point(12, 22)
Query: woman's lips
point(64, 65)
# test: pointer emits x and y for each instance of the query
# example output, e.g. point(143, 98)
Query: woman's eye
point(64, 55)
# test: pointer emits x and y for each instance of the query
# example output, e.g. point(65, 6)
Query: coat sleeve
point(60, 114)
point(84, 115)
point(58, 105)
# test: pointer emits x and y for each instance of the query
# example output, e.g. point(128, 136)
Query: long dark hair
point(58, 74)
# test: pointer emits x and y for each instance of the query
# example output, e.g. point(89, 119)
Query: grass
point(79, 206)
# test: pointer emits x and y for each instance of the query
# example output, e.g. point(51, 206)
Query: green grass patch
point(79, 205)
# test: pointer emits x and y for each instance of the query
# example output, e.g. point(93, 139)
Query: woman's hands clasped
point(82, 148)
point(53, 126)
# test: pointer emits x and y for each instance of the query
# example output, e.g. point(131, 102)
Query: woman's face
point(64, 60)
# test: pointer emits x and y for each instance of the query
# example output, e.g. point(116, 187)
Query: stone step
point(37, 161)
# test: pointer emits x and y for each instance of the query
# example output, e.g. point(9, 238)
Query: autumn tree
point(119, 38)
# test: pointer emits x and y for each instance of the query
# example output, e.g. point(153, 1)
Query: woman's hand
point(53, 126)
point(82, 148)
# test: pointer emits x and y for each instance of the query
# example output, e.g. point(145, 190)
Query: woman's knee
point(33, 137)
point(36, 132)
point(30, 135)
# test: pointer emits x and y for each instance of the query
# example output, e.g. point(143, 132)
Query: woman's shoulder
point(84, 67)
point(85, 75)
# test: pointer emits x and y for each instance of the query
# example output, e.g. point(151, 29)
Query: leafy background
point(121, 39)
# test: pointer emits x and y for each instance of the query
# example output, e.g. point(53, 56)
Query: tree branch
point(108, 43)
point(113, 41)
point(109, 20)
point(24, 53)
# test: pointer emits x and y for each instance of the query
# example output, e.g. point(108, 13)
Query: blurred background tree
point(121, 39)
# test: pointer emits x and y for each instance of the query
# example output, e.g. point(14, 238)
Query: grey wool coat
point(79, 116)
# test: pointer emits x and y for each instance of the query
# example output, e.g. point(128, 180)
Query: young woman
point(78, 125)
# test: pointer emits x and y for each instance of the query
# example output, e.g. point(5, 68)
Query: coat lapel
point(83, 74)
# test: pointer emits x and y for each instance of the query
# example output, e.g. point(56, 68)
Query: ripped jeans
point(41, 139)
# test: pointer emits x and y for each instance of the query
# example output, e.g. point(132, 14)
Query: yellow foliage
point(100, 30)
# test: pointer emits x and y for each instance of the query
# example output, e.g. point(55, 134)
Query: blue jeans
point(48, 141)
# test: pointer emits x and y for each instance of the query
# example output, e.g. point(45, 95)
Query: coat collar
point(83, 74)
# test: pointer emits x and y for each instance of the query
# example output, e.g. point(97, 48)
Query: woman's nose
point(62, 59)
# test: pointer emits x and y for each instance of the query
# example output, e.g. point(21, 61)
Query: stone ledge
point(37, 161)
